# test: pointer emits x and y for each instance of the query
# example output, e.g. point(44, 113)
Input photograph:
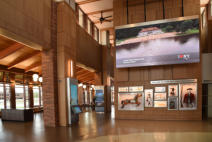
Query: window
point(89, 26)
point(27, 96)
point(8, 94)
point(96, 34)
point(19, 94)
point(36, 95)
point(41, 96)
point(1, 96)
point(80, 18)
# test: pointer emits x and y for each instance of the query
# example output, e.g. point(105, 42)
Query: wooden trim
point(99, 11)
point(87, 1)
point(96, 22)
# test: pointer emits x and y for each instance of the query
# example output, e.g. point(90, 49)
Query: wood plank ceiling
point(85, 76)
point(14, 55)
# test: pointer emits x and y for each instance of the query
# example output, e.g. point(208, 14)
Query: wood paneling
point(143, 75)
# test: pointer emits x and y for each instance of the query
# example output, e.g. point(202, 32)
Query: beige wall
point(27, 21)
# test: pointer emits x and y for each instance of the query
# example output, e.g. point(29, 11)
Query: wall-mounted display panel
point(160, 96)
point(173, 103)
point(136, 89)
point(162, 42)
point(123, 89)
point(173, 90)
point(160, 104)
point(160, 89)
point(148, 97)
point(131, 101)
point(188, 96)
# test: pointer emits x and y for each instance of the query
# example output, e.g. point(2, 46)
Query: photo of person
point(148, 98)
point(131, 101)
point(173, 90)
point(173, 103)
point(188, 96)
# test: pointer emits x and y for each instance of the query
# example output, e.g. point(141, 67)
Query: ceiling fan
point(103, 19)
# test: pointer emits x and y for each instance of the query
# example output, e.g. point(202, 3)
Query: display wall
point(142, 76)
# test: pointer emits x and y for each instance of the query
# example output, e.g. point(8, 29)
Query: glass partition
point(19, 95)
point(27, 96)
point(1, 96)
point(36, 95)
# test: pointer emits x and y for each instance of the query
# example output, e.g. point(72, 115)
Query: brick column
point(31, 100)
point(49, 73)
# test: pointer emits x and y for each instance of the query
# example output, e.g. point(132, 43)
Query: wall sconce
point(80, 85)
point(84, 86)
point(70, 68)
point(40, 79)
point(35, 77)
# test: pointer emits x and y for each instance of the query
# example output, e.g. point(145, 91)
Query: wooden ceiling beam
point(99, 11)
point(34, 65)
point(85, 75)
point(86, 2)
point(24, 58)
point(9, 50)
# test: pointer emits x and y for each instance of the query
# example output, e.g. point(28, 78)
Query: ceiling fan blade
point(108, 16)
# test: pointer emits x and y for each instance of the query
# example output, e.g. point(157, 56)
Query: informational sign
point(123, 89)
point(136, 89)
point(173, 81)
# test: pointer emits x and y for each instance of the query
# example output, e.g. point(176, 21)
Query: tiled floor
point(96, 127)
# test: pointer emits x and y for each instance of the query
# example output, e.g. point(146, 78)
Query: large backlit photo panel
point(163, 42)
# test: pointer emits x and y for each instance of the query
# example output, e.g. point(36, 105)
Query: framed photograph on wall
point(173, 90)
point(160, 89)
point(188, 96)
point(136, 89)
point(173, 103)
point(160, 104)
point(131, 101)
point(160, 96)
point(123, 89)
point(149, 98)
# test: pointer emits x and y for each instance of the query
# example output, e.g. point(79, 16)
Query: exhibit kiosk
point(72, 101)
point(99, 98)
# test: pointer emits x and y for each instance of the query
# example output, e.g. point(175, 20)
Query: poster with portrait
point(173, 103)
point(188, 96)
point(131, 101)
point(148, 97)
point(160, 89)
point(173, 90)
point(160, 104)
point(159, 96)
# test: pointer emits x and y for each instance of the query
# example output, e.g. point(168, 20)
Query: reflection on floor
point(96, 127)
